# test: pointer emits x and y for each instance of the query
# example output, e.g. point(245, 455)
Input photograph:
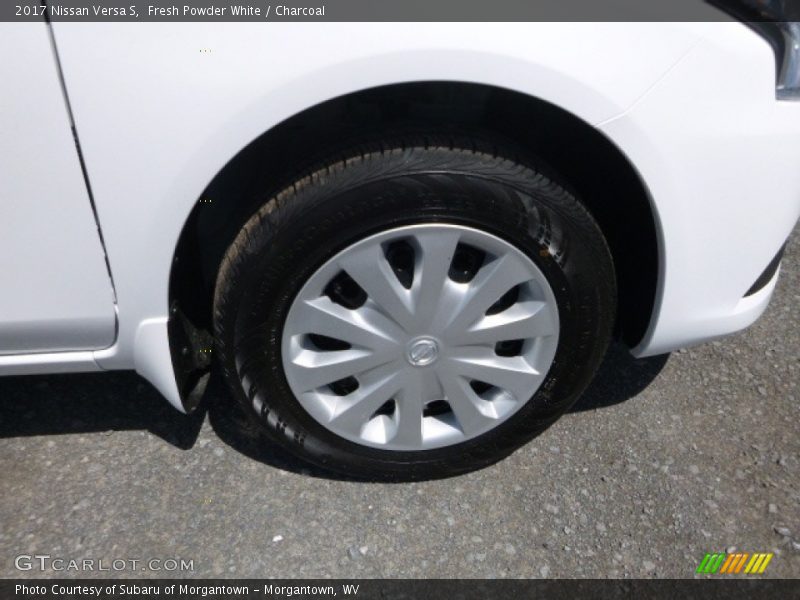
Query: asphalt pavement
point(663, 460)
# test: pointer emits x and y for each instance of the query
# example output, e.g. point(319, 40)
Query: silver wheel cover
point(429, 353)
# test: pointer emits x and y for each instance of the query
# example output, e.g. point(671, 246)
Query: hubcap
point(420, 337)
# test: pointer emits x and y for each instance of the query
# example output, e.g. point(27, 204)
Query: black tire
point(386, 186)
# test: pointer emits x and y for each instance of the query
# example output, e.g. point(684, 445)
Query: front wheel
point(414, 310)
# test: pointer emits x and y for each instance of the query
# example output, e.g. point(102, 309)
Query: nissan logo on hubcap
point(422, 352)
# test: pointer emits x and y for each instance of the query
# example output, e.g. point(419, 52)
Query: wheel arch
point(603, 177)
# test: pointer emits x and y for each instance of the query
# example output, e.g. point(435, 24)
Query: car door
point(55, 288)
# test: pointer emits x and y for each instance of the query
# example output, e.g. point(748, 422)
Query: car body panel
point(56, 292)
point(722, 167)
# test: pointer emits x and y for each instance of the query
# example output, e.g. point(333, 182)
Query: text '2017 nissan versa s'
point(405, 245)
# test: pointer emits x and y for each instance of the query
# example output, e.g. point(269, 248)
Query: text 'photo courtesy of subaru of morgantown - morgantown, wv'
point(405, 247)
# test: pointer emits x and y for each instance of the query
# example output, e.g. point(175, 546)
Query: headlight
point(778, 21)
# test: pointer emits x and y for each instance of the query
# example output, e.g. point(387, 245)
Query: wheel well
point(602, 177)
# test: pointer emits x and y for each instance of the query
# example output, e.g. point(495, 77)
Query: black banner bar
point(751, 588)
point(360, 10)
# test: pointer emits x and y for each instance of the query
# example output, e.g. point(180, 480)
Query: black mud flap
point(191, 349)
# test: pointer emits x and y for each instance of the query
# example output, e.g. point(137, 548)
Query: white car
point(407, 245)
